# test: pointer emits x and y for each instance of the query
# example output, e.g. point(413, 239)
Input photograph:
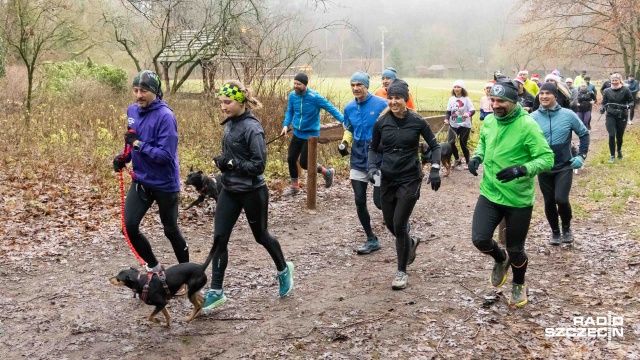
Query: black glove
point(473, 165)
point(434, 178)
point(512, 172)
point(372, 172)
point(343, 148)
point(130, 137)
point(118, 163)
point(223, 163)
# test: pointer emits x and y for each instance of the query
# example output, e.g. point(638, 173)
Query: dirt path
point(56, 302)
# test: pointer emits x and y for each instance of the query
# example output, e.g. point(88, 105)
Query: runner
point(242, 163)
point(557, 124)
point(586, 99)
point(513, 150)
point(458, 115)
point(388, 75)
point(396, 136)
point(616, 100)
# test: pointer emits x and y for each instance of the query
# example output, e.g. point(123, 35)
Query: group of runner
point(383, 137)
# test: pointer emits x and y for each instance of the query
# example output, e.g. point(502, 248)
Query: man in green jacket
point(513, 150)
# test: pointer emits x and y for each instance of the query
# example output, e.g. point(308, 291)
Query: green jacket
point(515, 139)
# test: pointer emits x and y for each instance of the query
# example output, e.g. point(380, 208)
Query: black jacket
point(584, 100)
point(397, 140)
point(243, 141)
point(526, 100)
point(616, 101)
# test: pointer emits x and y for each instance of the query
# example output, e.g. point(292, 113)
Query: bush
point(59, 77)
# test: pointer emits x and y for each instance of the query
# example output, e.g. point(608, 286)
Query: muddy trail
point(56, 301)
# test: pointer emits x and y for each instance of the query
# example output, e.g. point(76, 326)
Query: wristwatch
point(435, 166)
point(136, 145)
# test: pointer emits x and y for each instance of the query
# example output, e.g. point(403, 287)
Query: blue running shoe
point(213, 300)
point(286, 280)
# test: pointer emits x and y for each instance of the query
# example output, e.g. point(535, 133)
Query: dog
point(446, 150)
point(205, 185)
point(151, 288)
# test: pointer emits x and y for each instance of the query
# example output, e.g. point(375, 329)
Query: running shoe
point(619, 154)
point(286, 280)
point(555, 238)
point(291, 191)
point(518, 295)
point(369, 246)
point(400, 281)
point(567, 236)
point(213, 300)
point(499, 273)
point(457, 163)
point(412, 252)
point(328, 177)
point(612, 160)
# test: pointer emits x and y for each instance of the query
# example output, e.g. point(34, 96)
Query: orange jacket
point(382, 92)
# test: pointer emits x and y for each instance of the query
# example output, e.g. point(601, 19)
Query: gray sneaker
point(328, 178)
point(567, 236)
point(499, 273)
point(370, 246)
point(555, 239)
point(400, 281)
point(291, 191)
point(412, 252)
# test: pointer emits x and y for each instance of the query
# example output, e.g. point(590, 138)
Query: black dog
point(446, 150)
point(191, 275)
point(205, 185)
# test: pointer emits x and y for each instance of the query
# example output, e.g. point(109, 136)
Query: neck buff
point(510, 116)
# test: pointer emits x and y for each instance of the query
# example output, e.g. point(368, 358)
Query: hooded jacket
point(303, 113)
point(243, 141)
point(515, 139)
point(557, 124)
point(155, 164)
point(359, 118)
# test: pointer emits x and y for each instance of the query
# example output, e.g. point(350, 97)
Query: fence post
point(312, 173)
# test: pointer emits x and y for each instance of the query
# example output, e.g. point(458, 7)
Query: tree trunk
point(165, 73)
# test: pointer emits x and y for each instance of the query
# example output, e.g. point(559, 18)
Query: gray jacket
point(244, 142)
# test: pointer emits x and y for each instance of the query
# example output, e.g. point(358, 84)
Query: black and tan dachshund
point(189, 274)
point(205, 185)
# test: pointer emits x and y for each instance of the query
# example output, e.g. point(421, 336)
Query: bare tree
point(35, 28)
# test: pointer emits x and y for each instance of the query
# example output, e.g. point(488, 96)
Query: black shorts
point(392, 190)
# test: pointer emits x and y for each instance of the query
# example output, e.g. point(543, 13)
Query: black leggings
point(298, 148)
point(398, 201)
point(486, 218)
point(555, 189)
point(360, 195)
point(255, 204)
point(463, 132)
point(138, 201)
point(615, 128)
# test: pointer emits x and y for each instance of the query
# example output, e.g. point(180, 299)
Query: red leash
point(127, 150)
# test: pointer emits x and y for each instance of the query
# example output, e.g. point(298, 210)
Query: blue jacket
point(633, 87)
point(303, 113)
point(556, 124)
point(359, 118)
point(155, 164)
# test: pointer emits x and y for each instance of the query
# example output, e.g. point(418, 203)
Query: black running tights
point(555, 189)
point(615, 128)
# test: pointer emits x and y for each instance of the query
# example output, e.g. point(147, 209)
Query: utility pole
point(382, 30)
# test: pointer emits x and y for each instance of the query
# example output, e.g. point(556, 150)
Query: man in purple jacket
point(153, 136)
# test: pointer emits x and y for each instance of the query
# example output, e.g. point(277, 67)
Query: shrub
point(59, 77)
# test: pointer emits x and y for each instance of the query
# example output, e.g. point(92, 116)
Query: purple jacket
point(155, 165)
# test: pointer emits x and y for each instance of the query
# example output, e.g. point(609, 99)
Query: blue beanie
point(361, 77)
point(390, 73)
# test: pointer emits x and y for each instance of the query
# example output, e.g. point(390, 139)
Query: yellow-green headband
point(232, 92)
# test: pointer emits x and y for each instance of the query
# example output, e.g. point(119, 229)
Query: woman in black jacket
point(242, 163)
point(616, 100)
point(396, 136)
point(586, 99)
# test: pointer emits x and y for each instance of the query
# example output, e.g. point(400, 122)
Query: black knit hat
point(302, 77)
point(550, 87)
point(505, 89)
point(400, 88)
point(149, 80)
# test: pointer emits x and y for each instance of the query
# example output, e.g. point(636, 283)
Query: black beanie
point(302, 77)
point(149, 80)
point(505, 89)
point(400, 88)
point(550, 87)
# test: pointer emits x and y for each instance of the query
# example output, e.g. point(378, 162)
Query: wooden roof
point(207, 45)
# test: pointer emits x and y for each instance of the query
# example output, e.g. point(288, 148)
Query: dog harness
point(144, 295)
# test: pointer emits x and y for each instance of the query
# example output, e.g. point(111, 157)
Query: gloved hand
point(577, 162)
point(343, 148)
point(370, 175)
point(119, 162)
point(434, 179)
point(473, 166)
point(223, 163)
point(512, 172)
point(602, 110)
point(130, 137)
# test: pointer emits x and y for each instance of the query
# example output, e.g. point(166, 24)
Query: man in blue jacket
point(360, 115)
point(303, 114)
point(557, 124)
point(153, 137)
